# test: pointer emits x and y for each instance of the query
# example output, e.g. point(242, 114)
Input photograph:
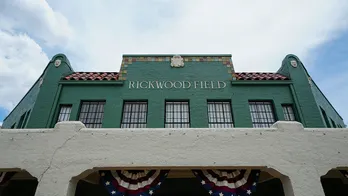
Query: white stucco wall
point(57, 155)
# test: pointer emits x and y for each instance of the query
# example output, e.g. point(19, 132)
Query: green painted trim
point(248, 82)
point(182, 55)
point(42, 76)
point(54, 106)
point(298, 59)
point(64, 59)
point(297, 105)
point(92, 82)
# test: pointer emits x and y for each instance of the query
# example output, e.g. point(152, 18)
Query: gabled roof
point(259, 76)
point(92, 76)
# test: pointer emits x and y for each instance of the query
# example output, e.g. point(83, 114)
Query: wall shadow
point(20, 184)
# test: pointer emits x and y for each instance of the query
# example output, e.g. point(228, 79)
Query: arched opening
point(335, 182)
point(269, 185)
point(17, 183)
point(178, 182)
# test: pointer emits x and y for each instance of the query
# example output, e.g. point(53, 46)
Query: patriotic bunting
point(5, 177)
point(132, 182)
point(228, 182)
point(345, 173)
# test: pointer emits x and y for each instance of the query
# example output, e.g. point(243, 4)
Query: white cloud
point(36, 18)
point(21, 57)
point(94, 35)
point(21, 63)
point(258, 34)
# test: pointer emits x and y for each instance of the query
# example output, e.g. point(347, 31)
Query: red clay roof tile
point(114, 76)
point(259, 76)
point(92, 76)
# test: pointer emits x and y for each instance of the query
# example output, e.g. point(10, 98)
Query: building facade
point(174, 125)
point(157, 91)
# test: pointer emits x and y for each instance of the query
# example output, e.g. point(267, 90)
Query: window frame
point(91, 101)
point(214, 102)
point(25, 122)
point(21, 121)
point(59, 111)
point(177, 123)
point(293, 111)
point(333, 123)
point(137, 123)
point(273, 110)
point(325, 118)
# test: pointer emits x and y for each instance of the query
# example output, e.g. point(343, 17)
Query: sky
point(94, 35)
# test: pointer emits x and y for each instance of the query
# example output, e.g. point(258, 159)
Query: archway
point(335, 182)
point(179, 182)
point(17, 183)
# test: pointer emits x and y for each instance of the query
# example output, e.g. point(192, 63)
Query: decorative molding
point(293, 63)
point(57, 62)
point(126, 61)
point(130, 60)
point(177, 61)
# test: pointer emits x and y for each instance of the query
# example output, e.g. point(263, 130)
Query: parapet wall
point(57, 157)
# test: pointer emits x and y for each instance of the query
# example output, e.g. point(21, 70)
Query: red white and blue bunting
point(5, 177)
point(132, 182)
point(228, 182)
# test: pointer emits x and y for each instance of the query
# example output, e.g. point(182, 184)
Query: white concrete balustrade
point(57, 157)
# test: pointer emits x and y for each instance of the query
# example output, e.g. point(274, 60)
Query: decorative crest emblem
point(177, 61)
point(293, 63)
point(57, 62)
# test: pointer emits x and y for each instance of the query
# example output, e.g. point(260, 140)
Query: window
point(333, 123)
point(134, 114)
point(64, 113)
point(92, 113)
point(288, 112)
point(219, 114)
point(325, 118)
point(177, 114)
point(13, 126)
point(20, 123)
point(26, 119)
point(262, 114)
